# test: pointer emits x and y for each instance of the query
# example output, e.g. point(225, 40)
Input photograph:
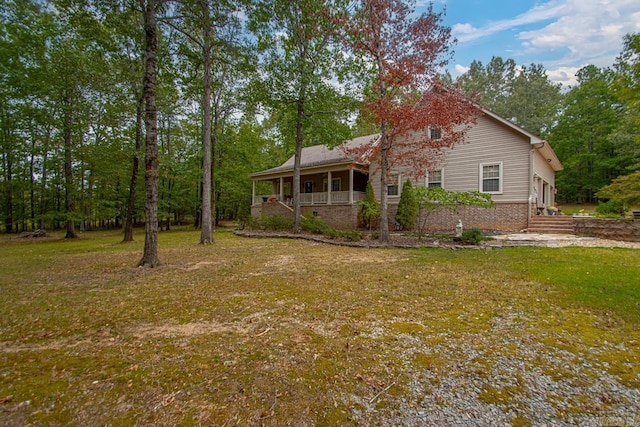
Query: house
point(516, 167)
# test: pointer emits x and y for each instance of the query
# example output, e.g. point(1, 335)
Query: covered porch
point(333, 186)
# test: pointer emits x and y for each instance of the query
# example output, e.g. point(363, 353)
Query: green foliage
point(315, 225)
point(524, 95)
point(272, 222)
point(431, 198)
point(586, 139)
point(611, 208)
point(624, 190)
point(368, 209)
point(472, 237)
point(407, 207)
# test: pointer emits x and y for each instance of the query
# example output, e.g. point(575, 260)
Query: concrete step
point(555, 224)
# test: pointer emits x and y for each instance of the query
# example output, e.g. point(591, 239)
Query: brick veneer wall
point(276, 208)
point(338, 216)
point(503, 217)
point(615, 229)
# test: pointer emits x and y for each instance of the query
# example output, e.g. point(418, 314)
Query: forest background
point(72, 110)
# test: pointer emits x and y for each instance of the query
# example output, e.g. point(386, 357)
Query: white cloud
point(460, 70)
point(464, 29)
point(564, 75)
point(538, 13)
point(589, 30)
point(580, 32)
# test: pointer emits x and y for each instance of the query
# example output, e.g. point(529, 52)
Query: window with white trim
point(392, 184)
point(435, 178)
point(336, 184)
point(435, 133)
point(491, 178)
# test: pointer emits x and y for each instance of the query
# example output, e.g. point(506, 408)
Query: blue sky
point(562, 35)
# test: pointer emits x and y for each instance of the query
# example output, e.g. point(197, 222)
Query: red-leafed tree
point(404, 54)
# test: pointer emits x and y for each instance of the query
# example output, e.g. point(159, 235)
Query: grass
point(273, 331)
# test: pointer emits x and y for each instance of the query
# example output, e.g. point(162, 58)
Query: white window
point(392, 184)
point(491, 178)
point(336, 184)
point(435, 133)
point(435, 178)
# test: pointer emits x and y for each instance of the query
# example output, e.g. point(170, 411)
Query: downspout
point(533, 150)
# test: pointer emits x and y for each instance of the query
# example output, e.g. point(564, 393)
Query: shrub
point(315, 225)
point(253, 223)
point(276, 223)
point(407, 207)
point(612, 208)
point(352, 235)
point(472, 237)
point(368, 209)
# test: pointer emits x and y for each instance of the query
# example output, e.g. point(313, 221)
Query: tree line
point(242, 85)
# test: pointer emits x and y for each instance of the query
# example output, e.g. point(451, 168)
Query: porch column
point(281, 189)
point(253, 192)
point(351, 186)
point(329, 188)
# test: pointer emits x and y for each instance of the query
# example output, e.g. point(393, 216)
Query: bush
point(368, 209)
point(351, 235)
point(612, 208)
point(472, 237)
point(315, 225)
point(407, 207)
point(275, 223)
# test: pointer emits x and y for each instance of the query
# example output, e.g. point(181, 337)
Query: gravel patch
point(504, 377)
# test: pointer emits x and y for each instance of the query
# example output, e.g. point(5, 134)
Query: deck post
point(253, 192)
point(281, 198)
point(329, 188)
point(351, 186)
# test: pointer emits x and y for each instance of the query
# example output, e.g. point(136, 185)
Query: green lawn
point(275, 331)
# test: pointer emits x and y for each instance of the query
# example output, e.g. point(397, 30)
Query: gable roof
point(321, 155)
point(536, 142)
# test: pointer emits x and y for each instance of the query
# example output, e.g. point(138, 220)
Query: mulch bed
point(397, 241)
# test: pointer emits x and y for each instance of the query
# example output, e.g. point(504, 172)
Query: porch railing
point(337, 197)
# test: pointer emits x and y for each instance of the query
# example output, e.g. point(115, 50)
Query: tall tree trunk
point(384, 161)
point(384, 189)
point(206, 234)
point(32, 185)
point(150, 256)
point(131, 202)
point(7, 166)
point(68, 169)
point(297, 228)
point(8, 194)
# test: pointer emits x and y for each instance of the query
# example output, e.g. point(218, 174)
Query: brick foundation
point(337, 216)
point(503, 217)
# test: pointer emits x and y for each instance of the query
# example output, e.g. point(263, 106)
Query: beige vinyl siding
point(492, 143)
point(542, 168)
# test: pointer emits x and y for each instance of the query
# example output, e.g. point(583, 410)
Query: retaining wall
point(604, 228)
